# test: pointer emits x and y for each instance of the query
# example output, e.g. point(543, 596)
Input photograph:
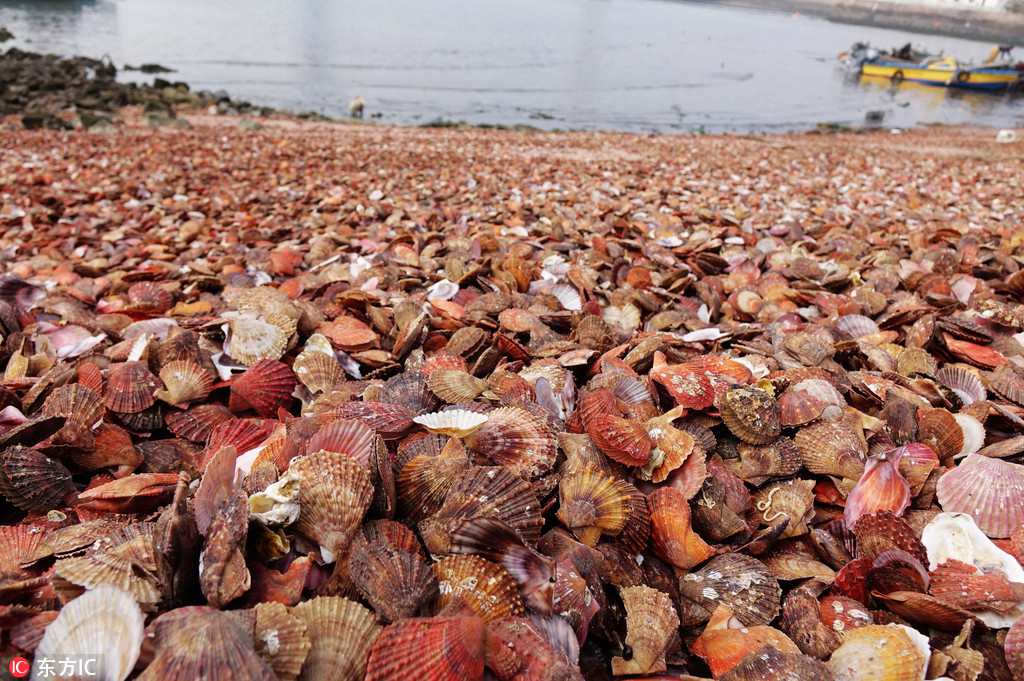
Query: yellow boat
point(939, 70)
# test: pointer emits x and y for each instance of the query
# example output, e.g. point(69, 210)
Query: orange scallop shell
point(726, 641)
point(689, 387)
point(620, 439)
point(675, 540)
point(264, 387)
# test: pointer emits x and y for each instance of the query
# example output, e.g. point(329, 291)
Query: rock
point(5, 35)
point(40, 120)
point(148, 68)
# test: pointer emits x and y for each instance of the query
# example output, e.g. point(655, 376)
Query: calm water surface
point(628, 64)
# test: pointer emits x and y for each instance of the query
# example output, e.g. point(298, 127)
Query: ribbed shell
point(318, 371)
point(196, 423)
point(334, 493)
point(833, 448)
point(675, 541)
point(104, 620)
point(769, 663)
point(989, 490)
point(341, 633)
point(805, 401)
point(18, 544)
point(485, 587)
point(751, 415)
point(396, 583)
point(184, 381)
point(131, 387)
point(620, 439)
point(938, 429)
point(651, 621)
point(878, 532)
point(264, 387)
point(429, 649)
point(82, 409)
point(758, 463)
point(281, 639)
point(878, 653)
point(253, 338)
point(410, 390)
point(481, 492)
point(352, 438)
point(743, 584)
point(964, 382)
point(197, 642)
point(455, 385)
point(131, 566)
point(592, 502)
point(517, 439)
point(391, 421)
point(33, 482)
point(689, 387)
point(1013, 649)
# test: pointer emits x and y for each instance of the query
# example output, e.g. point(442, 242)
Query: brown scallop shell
point(989, 490)
point(939, 430)
point(1013, 649)
point(334, 494)
point(264, 387)
point(455, 385)
point(90, 376)
point(341, 633)
point(833, 447)
point(223, 574)
point(392, 534)
point(924, 610)
point(743, 584)
point(592, 502)
point(81, 408)
point(390, 421)
point(769, 663)
point(33, 482)
point(485, 587)
point(199, 642)
point(651, 621)
point(279, 637)
point(197, 422)
point(149, 297)
point(801, 620)
point(792, 500)
point(807, 400)
point(675, 541)
point(395, 583)
point(485, 492)
point(128, 560)
point(424, 482)
point(18, 545)
point(130, 388)
point(621, 440)
point(751, 414)
point(318, 371)
point(517, 439)
point(184, 381)
point(410, 390)
point(759, 463)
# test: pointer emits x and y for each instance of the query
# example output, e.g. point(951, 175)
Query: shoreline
point(982, 26)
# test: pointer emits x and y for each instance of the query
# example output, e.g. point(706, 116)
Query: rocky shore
point(50, 91)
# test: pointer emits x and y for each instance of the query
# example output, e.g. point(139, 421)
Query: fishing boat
point(996, 74)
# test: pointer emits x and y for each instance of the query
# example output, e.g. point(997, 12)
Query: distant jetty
point(1000, 21)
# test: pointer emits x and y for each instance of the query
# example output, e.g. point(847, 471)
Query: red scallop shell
point(879, 532)
point(429, 649)
point(688, 386)
point(242, 434)
point(149, 297)
point(196, 423)
point(90, 376)
point(1013, 649)
point(852, 580)
point(593, 403)
point(841, 614)
point(881, 488)
point(442, 360)
point(264, 387)
point(897, 570)
point(620, 439)
point(344, 436)
point(965, 586)
point(131, 388)
point(391, 421)
point(978, 355)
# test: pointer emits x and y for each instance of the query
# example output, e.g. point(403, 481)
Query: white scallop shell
point(104, 621)
point(442, 290)
point(453, 422)
point(974, 434)
point(568, 296)
point(278, 504)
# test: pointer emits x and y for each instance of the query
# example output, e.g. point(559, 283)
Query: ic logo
point(19, 667)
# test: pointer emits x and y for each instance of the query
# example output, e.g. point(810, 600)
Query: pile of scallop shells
point(659, 449)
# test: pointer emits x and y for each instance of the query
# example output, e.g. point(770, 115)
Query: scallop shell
point(278, 504)
point(391, 421)
point(742, 584)
point(805, 401)
point(990, 490)
point(33, 482)
point(802, 621)
point(253, 338)
point(924, 610)
point(395, 583)
point(104, 620)
point(591, 503)
point(771, 664)
point(792, 500)
point(184, 381)
point(266, 386)
point(334, 494)
point(200, 642)
point(452, 422)
point(675, 541)
point(963, 381)
point(751, 415)
point(341, 633)
point(455, 385)
point(242, 434)
point(424, 482)
point(623, 319)
point(965, 586)
point(352, 438)
point(485, 492)
point(434, 649)
point(833, 448)
point(689, 388)
point(149, 297)
point(841, 614)
point(317, 367)
point(881, 531)
point(1013, 650)
point(651, 621)
point(18, 545)
point(81, 408)
point(621, 440)
point(196, 423)
point(759, 463)
point(410, 390)
point(938, 429)
point(485, 587)
point(726, 642)
point(280, 638)
point(879, 653)
point(973, 434)
point(517, 439)
point(130, 388)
